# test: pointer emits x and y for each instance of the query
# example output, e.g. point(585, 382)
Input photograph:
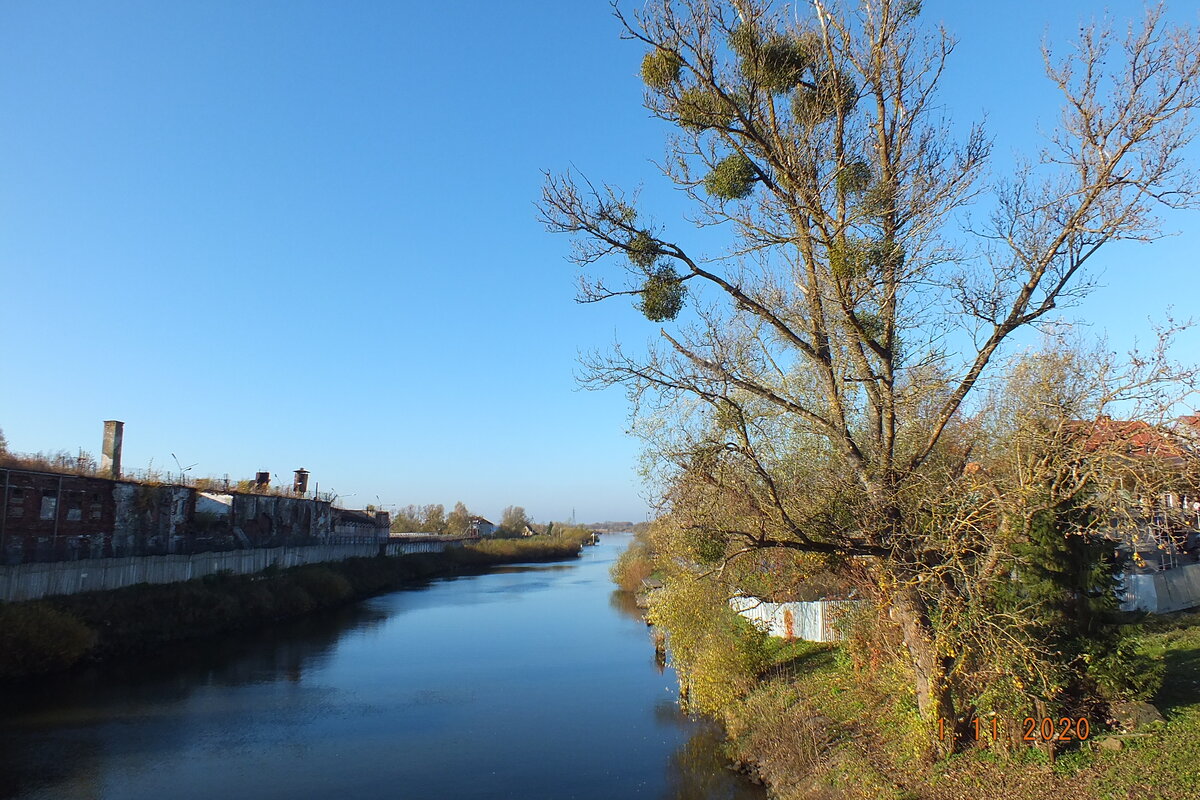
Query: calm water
point(531, 682)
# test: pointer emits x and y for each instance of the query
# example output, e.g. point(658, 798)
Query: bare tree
point(821, 380)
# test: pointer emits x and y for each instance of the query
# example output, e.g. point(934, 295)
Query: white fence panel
point(814, 622)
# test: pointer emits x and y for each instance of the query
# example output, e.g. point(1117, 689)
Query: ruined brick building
point(58, 516)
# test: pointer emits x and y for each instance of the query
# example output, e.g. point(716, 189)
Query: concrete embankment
point(56, 633)
point(33, 581)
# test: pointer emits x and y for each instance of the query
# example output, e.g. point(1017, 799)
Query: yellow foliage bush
point(717, 654)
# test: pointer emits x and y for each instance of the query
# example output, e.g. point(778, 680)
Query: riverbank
point(474, 687)
point(813, 722)
point(60, 633)
point(814, 727)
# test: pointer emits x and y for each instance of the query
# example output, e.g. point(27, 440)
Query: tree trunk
point(935, 700)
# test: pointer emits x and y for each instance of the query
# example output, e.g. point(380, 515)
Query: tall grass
point(535, 548)
point(634, 565)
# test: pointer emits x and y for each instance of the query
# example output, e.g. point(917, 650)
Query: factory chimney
point(110, 453)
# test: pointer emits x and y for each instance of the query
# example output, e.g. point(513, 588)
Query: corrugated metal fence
point(32, 581)
point(1162, 592)
point(815, 621)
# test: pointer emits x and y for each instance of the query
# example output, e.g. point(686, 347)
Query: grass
point(534, 548)
point(817, 730)
point(1176, 640)
point(1166, 764)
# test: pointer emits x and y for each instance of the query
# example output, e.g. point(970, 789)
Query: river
point(532, 681)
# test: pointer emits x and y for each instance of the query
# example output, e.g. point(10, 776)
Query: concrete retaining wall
point(33, 581)
point(1162, 592)
point(406, 548)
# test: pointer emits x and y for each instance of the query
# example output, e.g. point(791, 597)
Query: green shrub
point(35, 638)
point(855, 257)
point(1122, 670)
point(258, 602)
point(726, 666)
point(853, 178)
point(776, 62)
point(719, 656)
point(780, 64)
point(293, 601)
point(323, 585)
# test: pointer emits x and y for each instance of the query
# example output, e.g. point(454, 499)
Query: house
point(481, 527)
point(1152, 480)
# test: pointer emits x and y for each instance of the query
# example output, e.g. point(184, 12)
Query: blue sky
point(279, 234)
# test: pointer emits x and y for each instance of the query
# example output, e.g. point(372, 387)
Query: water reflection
point(61, 732)
point(698, 769)
point(522, 683)
point(625, 604)
point(283, 653)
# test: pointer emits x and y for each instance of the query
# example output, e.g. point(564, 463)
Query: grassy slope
point(829, 738)
point(1166, 765)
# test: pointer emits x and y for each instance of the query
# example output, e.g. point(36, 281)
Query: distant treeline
point(514, 522)
point(618, 527)
point(460, 521)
